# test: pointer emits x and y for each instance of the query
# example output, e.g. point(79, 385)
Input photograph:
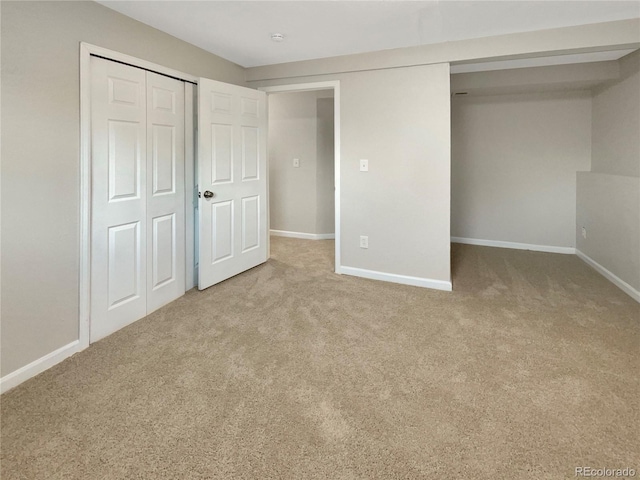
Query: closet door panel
point(119, 196)
point(165, 184)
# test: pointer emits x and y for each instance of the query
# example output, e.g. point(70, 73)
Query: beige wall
point(609, 208)
point(552, 78)
point(608, 203)
point(514, 163)
point(398, 119)
point(292, 134)
point(325, 154)
point(40, 157)
point(616, 122)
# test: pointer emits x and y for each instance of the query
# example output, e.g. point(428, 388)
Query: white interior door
point(137, 206)
point(232, 180)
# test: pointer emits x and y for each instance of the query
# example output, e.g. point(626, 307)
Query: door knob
point(209, 194)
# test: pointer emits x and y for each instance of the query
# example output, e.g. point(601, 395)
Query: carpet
point(528, 369)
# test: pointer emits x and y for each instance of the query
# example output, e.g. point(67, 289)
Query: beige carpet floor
point(527, 370)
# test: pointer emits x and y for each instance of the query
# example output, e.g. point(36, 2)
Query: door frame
point(309, 87)
point(86, 51)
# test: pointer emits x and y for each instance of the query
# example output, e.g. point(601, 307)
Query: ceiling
point(240, 30)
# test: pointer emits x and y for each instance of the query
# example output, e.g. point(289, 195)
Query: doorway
point(304, 162)
point(301, 165)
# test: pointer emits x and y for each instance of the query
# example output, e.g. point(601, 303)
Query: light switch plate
point(296, 162)
point(364, 165)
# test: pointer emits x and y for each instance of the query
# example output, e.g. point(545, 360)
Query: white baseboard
point(617, 281)
point(516, 246)
point(394, 278)
point(306, 236)
point(16, 377)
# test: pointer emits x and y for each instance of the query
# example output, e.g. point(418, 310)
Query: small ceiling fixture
point(277, 37)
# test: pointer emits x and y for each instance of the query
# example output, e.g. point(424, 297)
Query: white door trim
point(86, 50)
point(307, 87)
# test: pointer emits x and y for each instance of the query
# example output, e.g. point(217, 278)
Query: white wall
point(40, 153)
point(514, 163)
point(301, 126)
point(398, 119)
point(608, 203)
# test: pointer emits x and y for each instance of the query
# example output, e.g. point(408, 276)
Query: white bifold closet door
point(138, 197)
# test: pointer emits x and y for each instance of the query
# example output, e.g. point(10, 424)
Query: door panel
point(166, 202)
point(250, 157)
point(124, 90)
point(222, 231)
point(231, 165)
point(124, 256)
point(124, 160)
point(118, 209)
point(249, 107)
point(221, 154)
point(250, 223)
point(164, 250)
point(164, 159)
